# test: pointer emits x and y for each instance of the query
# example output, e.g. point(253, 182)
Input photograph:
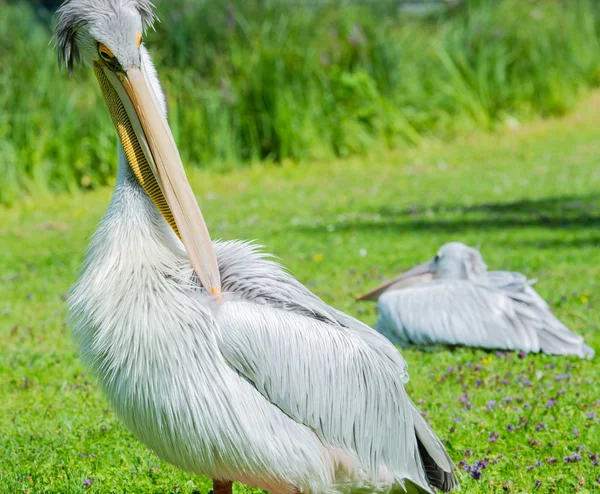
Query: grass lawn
point(528, 197)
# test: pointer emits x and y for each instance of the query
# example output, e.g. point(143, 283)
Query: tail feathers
point(553, 336)
point(587, 352)
point(557, 346)
point(439, 468)
point(556, 339)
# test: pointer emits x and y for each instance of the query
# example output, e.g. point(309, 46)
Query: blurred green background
point(301, 80)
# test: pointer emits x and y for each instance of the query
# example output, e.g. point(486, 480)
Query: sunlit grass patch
point(527, 197)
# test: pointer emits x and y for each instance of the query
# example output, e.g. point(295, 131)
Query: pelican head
point(458, 261)
point(453, 260)
point(107, 35)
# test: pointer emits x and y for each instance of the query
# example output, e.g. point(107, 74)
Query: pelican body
point(454, 300)
point(211, 353)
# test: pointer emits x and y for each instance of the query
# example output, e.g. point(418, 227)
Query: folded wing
point(555, 338)
point(331, 380)
point(256, 277)
point(456, 312)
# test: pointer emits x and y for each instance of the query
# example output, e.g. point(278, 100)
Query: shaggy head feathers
point(78, 16)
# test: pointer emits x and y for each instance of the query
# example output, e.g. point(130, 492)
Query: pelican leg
point(220, 487)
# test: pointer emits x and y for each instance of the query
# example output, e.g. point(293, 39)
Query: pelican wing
point(507, 280)
point(555, 338)
point(255, 276)
point(456, 312)
point(329, 379)
point(517, 286)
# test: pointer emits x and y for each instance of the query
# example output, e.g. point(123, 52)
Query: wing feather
point(325, 369)
point(255, 276)
point(455, 312)
point(555, 338)
point(328, 379)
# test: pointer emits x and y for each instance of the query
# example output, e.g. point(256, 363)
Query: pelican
point(210, 352)
point(454, 300)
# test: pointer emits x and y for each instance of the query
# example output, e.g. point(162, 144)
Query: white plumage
point(456, 301)
point(246, 376)
point(268, 386)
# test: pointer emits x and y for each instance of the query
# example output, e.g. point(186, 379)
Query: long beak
point(154, 159)
point(419, 274)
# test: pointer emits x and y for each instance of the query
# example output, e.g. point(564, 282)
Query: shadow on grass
point(563, 212)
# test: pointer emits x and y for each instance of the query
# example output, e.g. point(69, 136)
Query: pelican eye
point(105, 52)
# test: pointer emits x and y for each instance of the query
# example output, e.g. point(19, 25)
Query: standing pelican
point(453, 300)
point(211, 353)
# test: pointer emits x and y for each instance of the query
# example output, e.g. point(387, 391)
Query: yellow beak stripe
point(133, 151)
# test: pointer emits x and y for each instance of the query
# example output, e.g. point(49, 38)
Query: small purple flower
point(524, 381)
point(561, 377)
point(510, 428)
point(464, 400)
point(474, 470)
point(529, 467)
point(540, 427)
point(573, 458)
point(493, 437)
point(591, 415)
point(522, 354)
point(468, 452)
point(527, 406)
point(88, 482)
point(552, 460)
point(551, 403)
point(576, 432)
point(538, 483)
point(491, 404)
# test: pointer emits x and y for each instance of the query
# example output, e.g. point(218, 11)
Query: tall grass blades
point(250, 80)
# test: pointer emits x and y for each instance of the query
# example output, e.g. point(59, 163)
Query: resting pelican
point(453, 300)
point(211, 353)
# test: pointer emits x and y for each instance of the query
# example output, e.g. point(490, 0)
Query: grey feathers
point(269, 386)
point(76, 15)
point(467, 305)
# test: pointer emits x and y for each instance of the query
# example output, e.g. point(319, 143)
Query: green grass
point(258, 80)
point(528, 197)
